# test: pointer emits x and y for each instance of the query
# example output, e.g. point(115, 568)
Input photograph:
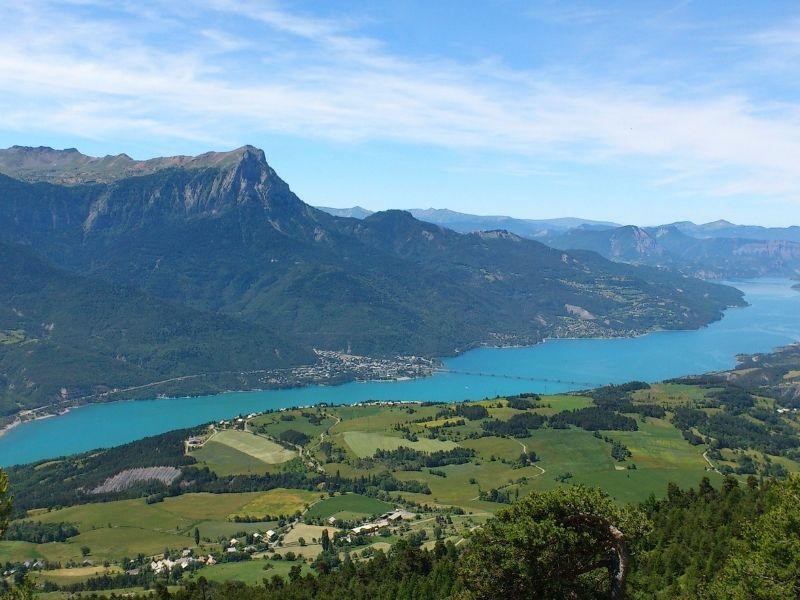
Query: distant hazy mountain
point(715, 250)
point(222, 234)
point(355, 212)
point(529, 228)
point(626, 244)
point(668, 246)
point(543, 228)
point(725, 229)
point(466, 223)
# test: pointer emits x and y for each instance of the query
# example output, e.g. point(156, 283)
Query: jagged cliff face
point(780, 250)
point(634, 244)
point(238, 188)
point(241, 181)
point(628, 244)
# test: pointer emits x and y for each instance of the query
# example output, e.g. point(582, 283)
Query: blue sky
point(637, 112)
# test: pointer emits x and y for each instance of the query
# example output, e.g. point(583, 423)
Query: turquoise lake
point(771, 320)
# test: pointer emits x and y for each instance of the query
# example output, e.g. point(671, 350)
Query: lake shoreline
point(68, 405)
point(95, 399)
point(559, 366)
point(18, 420)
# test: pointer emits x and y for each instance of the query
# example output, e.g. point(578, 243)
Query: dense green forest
point(66, 336)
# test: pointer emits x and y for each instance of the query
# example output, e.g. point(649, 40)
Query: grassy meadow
point(348, 507)
point(112, 530)
point(364, 444)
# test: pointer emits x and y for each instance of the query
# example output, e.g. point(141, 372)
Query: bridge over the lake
point(583, 384)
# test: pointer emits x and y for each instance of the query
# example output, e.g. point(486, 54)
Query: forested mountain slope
point(65, 335)
point(222, 233)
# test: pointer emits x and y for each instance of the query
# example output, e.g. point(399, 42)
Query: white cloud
point(785, 36)
point(226, 71)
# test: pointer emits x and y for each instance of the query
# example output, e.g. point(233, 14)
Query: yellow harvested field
point(309, 551)
point(254, 445)
point(67, 576)
point(278, 502)
point(307, 532)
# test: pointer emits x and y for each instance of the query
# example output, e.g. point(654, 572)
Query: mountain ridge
point(726, 229)
point(466, 223)
point(708, 250)
point(71, 167)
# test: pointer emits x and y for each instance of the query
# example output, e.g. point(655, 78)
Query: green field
point(671, 394)
point(378, 419)
point(256, 446)
point(176, 513)
point(224, 460)
point(456, 489)
point(277, 423)
point(659, 452)
point(251, 572)
point(127, 527)
point(486, 447)
point(117, 593)
point(15, 551)
point(559, 402)
point(364, 444)
point(311, 534)
point(348, 507)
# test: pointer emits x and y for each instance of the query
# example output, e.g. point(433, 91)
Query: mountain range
point(180, 265)
point(726, 229)
point(465, 223)
point(717, 250)
point(706, 257)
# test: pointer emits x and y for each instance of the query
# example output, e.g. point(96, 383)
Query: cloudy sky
point(633, 112)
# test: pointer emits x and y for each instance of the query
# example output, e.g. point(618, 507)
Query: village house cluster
point(165, 565)
point(373, 527)
point(258, 542)
point(339, 366)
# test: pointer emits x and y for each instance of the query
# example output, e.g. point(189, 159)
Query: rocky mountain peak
point(72, 167)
